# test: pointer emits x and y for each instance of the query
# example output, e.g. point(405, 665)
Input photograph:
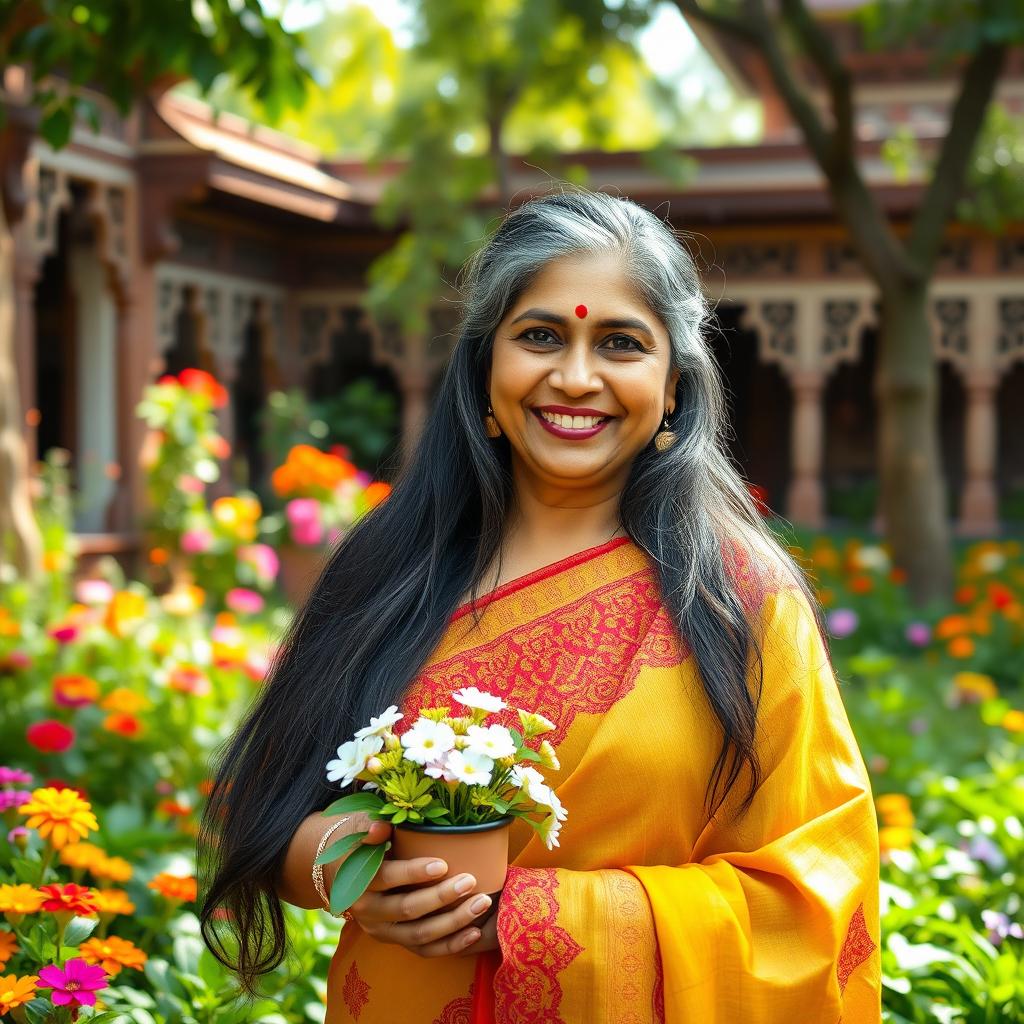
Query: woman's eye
point(632, 343)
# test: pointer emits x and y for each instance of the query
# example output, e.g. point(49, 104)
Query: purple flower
point(843, 622)
point(10, 798)
point(14, 777)
point(74, 986)
point(1000, 926)
point(918, 633)
point(981, 848)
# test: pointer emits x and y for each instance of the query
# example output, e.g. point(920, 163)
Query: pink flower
point(64, 633)
point(304, 520)
point(918, 633)
point(263, 558)
point(10, 798)
point(14, 777)
point(74, 986)
point(195, 542)
point(94, 591)
point(244, 601)
point(256, 666)
point(18, 836)
point(842, 622)
point(191, 484)
point(363, 478)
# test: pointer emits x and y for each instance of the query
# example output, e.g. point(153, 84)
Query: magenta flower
point(304, 520)
point(195, 542)
point(14, 777)
point(918, 633)
point(263, 558)
point(76, 985)
point(843, 622)
point(244, 601)
point(11, 798)
point(14, 661)
point(18, 836)
point(64, 634)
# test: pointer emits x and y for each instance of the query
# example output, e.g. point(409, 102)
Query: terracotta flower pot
point(478, 850)
point(300, 567)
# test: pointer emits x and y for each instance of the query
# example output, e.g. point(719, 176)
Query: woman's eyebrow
point(555, 318)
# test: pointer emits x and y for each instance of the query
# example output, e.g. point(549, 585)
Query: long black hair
point(386, 595)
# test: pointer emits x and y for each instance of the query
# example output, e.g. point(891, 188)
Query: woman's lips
point(568, 434)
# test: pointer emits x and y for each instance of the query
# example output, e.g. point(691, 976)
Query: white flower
point(381, 725)
point(991, 561)
point(474, 698)
point(426, 740)
point(494, 741)
point(473, 769)
point(549, 829)
point(871, 556)
point(538, 790)
point(352, 758)
point(439, 769)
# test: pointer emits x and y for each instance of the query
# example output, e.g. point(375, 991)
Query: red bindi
point(581, 311)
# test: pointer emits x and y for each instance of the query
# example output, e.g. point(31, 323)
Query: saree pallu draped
point(647, 911)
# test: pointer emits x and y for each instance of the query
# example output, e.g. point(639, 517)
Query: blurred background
point(230, 235)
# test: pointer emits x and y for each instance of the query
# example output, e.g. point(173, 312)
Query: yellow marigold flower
point(126, 701)
point(15, 991)
point(81, 855)
point(889, 803)
point(174, 887)
point(895, 838)
point(60, 816)
point(976, 684)
point(182, 601)
point(125, 612)
point(20, 899)
point(1013, 721)
point(8, 946)
point(112, 954)
point(113, 901)
point(114, 869)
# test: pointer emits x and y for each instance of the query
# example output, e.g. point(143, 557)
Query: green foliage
point(154, 40)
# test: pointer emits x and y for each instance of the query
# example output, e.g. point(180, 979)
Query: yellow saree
point(647, 912)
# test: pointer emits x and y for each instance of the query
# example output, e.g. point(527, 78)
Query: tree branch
point(715, 19)
point(977, 88)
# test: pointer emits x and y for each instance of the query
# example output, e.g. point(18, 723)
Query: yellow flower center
point(71, 985)
point(6, 997)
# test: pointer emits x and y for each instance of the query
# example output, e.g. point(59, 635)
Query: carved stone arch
point(50, 195)
point(775, 323)
point(1009, 332)
point(842, 322)
point(950, 322)
point(107, 209)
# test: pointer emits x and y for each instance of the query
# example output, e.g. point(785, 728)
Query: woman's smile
point(571, 428)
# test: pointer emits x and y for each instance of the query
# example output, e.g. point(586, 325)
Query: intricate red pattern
point(356, 992)
point(534, 949)
point(566, 662)
point(856, 949)
point(458, 1011)
point(627, 908)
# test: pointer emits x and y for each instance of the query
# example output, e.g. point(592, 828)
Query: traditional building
point(173, 238)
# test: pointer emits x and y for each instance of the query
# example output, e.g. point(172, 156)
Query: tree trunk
point(20, 541)
point(914, 500)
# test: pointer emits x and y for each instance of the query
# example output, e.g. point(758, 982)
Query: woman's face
point(580, 338)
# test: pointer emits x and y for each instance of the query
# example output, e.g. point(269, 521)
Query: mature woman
point(570, 535)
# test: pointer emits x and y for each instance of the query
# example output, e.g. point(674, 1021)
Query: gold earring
point(665, 438)
point(491, 424)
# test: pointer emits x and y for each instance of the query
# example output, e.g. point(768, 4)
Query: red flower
point(72, 898)
point(50, 737)
point(205, 384)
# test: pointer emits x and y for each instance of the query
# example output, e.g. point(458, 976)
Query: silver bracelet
point(318, 873)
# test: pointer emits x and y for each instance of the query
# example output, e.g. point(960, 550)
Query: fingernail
point(465, 883)
point(471, 938)
point(480, 904)
point(436, 867)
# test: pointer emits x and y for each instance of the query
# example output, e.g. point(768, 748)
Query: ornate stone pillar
point(26, 274)
point(979, 502)
point(805, 498)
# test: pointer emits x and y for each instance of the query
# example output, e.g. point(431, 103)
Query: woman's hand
point(422, 920)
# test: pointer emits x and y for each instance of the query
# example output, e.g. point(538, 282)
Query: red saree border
point(511, 586)
point(535, 949)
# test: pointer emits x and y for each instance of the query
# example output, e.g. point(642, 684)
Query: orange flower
point(965, 595)
point(159, 556)
point(70, 898)
point(1013, 721)
point(113, 901)
point(189, 679)
point(124, 700)
point(861, 584)
point(8, 627)
point(60, 816)
point(960, 647)
point(20, 899)
point(174, 808)
point(125, 612)
point(75, 690)
point(114, 869)
point(81, 856)
point(123, 724)
point(8, 945)
point(898, 576)
point(950, 626)
point(112, 954)
point(175, 887)
point(15, 991)
point(376, 492)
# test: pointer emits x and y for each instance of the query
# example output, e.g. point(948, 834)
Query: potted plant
point(324, 494)
point(450, 785)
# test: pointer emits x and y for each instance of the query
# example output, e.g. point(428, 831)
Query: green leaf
point(354, 802)
point(340, 848)
point(400, 816)
point(78, 930)
point(526, 754)
point(354, 875)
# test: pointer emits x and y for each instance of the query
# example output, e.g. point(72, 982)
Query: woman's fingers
point(408, 906)
point(438, 935)
point(377, 832)
point(417, 871)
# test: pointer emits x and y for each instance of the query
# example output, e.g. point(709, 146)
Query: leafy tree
point(971, 40)
point(123, 49)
